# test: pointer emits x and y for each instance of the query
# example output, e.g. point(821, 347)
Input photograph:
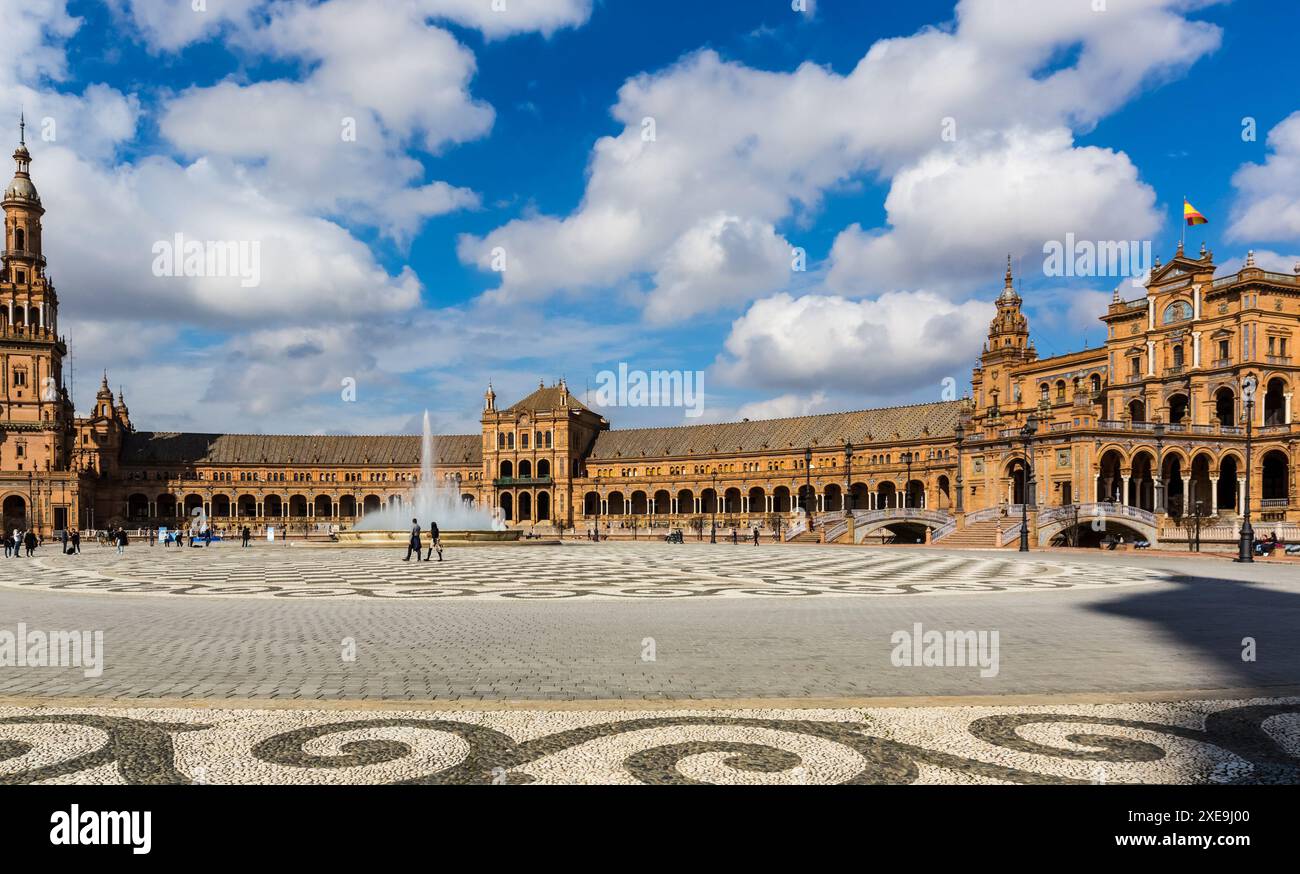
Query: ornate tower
point(36, 417)
point(1008, 344)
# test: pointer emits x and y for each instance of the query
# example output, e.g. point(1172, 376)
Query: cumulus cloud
point(169, 25)
point(882, 347)
point(1267, 205)
point(708, 137)
point(954, 211)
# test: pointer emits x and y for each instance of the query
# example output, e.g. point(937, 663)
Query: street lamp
point(1160, 468)
point(907, 484)
point(1199, 504)
point(808, 495)
point(597, 531)
point(713, 516)
point(847, 502)
point(961, 436)
point(1246, 548)
point(1027, 434)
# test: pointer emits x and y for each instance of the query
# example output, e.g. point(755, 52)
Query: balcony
point(514, 482)
point(1279, 359)
point(1176, 370)
point(1275, 503)
point(24, 255)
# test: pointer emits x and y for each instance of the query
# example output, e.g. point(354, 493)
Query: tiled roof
point(934, 421)
point(162, 448)
point(546, 399)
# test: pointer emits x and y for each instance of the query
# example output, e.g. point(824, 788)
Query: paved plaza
point(1220, 742)
point(650, 663)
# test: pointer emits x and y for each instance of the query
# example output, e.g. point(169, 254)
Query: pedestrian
point(247, 536)
point(414, 544)
point(735, 537)
point(435, 542)
point(18, 543)
point(9, 544)
point(121, 541)
point(63, 539)
point(30, 542)
point(76, 541)
point(756, 535)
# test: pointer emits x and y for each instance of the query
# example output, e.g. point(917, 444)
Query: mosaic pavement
point(614, 571)
point(1255, 741)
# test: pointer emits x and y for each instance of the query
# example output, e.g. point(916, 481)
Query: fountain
point(459, 523)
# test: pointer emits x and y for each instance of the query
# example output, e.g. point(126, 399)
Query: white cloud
point(171, 25)
point(883, 347)
point(766, 147)
point(1267, 205)
point(955, 211)
point(721, 260)
point(784, 407)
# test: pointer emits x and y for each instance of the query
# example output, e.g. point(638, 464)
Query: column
point(1189, 505)
point(1196, 304)
point(1214, 496)
point(1123, 495)
point(1151, 313)
point(1287, 396)
point(1196, 350)
point(1151, 358)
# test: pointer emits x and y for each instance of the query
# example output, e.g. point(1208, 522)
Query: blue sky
point(520, 131)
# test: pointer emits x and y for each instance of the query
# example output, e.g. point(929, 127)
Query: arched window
point(548, 439)
point(1178, 355)
point(1060, 389)
point(1042, 392)
point(1094, 382)
point(510, 441)
point(20, 239)
point(523, 440)
point(501, 441)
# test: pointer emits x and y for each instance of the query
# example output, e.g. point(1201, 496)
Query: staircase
point(806, 537)
point(978, 535)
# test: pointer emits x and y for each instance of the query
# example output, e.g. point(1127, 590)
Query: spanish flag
point(1192, 216)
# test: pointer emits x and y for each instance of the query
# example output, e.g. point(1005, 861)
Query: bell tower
point(36, 416)
point(1008, 345)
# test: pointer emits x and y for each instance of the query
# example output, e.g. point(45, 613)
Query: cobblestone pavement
point(622, 571)
point(1183, 627)
point(1254, 741)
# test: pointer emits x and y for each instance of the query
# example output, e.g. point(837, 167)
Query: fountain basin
point(399, 539)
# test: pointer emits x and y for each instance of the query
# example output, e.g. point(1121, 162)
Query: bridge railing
point(943, 531)
point(1092, 510)
point(1012, 533)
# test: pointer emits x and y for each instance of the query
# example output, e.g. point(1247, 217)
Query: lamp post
point(1198, 525)
point(907, 483)
point(713, 517)
point(847, 502)
point(1160, 468)
point(961, 436)
point(1027, 434)
point(808, 495)
point(597, 531)
point(1246, 548)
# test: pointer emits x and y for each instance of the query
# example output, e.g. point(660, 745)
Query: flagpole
point(1182, 220)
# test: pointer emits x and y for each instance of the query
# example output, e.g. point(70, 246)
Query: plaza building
point(1136, 438)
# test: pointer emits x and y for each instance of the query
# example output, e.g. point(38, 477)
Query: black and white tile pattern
point(613, 571)
point(1255, 741)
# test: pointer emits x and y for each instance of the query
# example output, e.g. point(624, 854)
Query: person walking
point(18, 543)
point(414, 544)
point(63, 540)
point(9, 544)
point(756, 535)
point(735, 537)
point(76, 541)
point(121, 541)
point(247, 537)
point(435, 542)
point(30, 542)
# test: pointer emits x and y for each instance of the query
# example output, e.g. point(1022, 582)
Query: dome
point(22, 187)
